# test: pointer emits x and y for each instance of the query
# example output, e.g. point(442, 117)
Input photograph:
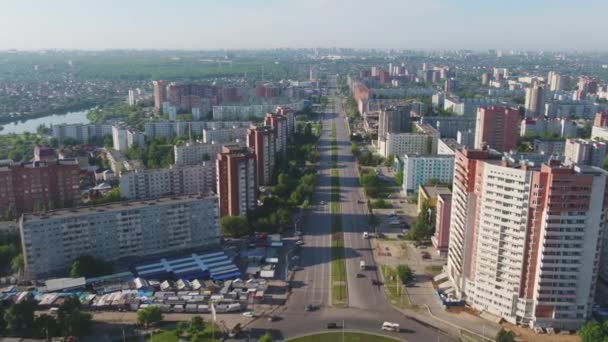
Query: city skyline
point(238, 24)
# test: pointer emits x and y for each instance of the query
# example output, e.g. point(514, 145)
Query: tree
point(19, 317)
point(46, 325)
point(76, 323)
point(7, 253)
point(196, 324)
point(88, 266)
point(505, 336)
point(17, 264)
point(149, 315)
point(234, 226)
point(593, 331)
point(404, 273)
point(267, 337)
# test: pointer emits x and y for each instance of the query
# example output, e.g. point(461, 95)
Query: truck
point(362, 265)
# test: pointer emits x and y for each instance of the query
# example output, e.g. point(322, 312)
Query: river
point(32, 124)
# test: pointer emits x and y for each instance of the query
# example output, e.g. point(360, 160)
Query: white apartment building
point(124, 137)
point(468, 107)
point(407, 143)
point(246, 112)
point(176, 180)
point(525, 241)
point(599, 133)
point(195, 153)
point(119, 231)
point(585, 152)
point(419, 169)
point(168, 129)
point(119, 137)
point(560, 127)
point(549, 146)
point(80, 132)
point(224, 135)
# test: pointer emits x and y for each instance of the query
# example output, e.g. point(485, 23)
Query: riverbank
point(31, 125)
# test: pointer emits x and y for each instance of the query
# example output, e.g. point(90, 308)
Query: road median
point(339, 289)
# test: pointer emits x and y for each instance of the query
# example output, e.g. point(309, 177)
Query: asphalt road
point(367, 306)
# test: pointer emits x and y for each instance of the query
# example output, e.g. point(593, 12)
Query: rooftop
point(431, 191)
point(126, 205)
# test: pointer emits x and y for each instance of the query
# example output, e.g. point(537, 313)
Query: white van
point(389, 326)
point(365, 235)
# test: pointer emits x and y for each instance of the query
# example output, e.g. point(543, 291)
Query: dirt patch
point(528, 335)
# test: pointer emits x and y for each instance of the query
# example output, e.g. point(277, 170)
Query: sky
point(251, 24)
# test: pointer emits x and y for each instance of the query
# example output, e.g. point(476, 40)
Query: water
point(32, 124)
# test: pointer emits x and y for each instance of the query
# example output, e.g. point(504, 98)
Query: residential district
point(413, 196)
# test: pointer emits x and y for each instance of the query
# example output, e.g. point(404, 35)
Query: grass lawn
point(205, 335)
point(348, 336)
point(339, 290)
point(434, 269)
point(395, 291)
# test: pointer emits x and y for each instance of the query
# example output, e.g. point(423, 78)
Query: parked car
point(331, 325)
point(360, 275)
point(249, 314)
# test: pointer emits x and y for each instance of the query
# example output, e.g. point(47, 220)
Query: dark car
point(376, 282)
point(331, 325)
point(360, 275)
point(309, 307)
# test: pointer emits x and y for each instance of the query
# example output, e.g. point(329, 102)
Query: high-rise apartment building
point(38, 185)
point(534, 101)
point(584, 152)
point(525, 241)
point(443, 213)
point(160, 93)
point(278, 122)
point(236, 180)
point(263, 143)
point(497, 127)
point(176, 180)
point(124, 137)
point(394, 119)
point(120, 231)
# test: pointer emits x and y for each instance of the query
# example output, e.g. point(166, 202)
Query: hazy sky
point(211, 24)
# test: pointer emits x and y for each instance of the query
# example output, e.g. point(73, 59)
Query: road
point(367, 305)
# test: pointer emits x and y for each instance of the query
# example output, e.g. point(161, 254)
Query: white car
point(249, 314)
point(389, 326)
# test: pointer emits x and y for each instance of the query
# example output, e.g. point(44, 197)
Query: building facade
point(176, 180)
point(119, 231)
point(524, 241)
point(38, 186)
point(236, 180)
point(420, 169)
point(278, 122)
point(406, 143)
point(443, 213)
point(195, 153)
point(79, 132)
point(497, 127)
point(263, 143)
point(584, 152)
point(224, 135)
point(534, 101)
